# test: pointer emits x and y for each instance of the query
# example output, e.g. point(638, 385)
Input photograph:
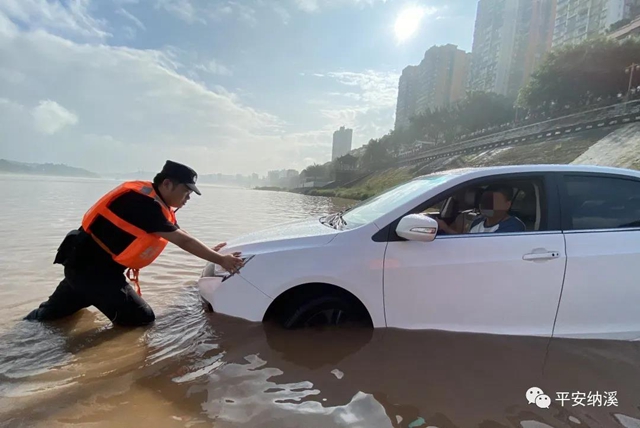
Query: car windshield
point(377, 206)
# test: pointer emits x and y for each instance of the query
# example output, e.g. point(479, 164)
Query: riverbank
point(618, 148)
point(376, 184)
point(372, 186)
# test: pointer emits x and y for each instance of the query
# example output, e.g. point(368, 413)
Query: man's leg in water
point(115, 298)
point(111, 294)
point(65, 300)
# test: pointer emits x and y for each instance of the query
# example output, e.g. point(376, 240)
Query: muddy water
point(193, 369)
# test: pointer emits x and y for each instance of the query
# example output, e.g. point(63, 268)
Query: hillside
point(619, 147)
point(11, 167)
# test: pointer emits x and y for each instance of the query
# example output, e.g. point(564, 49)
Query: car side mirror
point(417, 227)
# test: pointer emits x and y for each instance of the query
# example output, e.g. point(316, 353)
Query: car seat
point(525, 207)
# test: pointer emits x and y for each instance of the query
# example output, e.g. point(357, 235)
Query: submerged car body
point(571, 273)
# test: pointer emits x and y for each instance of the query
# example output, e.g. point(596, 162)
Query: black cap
point(182, 174)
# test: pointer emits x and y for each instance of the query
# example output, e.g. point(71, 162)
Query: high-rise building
point(407, 94)
point(438, 81)
point(579, 20)
point(510, 40)
point(341, 142)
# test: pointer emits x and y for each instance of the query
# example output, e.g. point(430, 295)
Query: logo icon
point(532, 393)
point(536, 396)
point(543, 401)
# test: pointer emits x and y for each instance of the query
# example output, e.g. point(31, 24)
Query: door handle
point(547, 255)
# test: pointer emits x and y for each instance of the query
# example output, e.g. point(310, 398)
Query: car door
point(601, 292)
point(504, 283)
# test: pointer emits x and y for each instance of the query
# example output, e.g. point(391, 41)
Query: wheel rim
point(330, 316)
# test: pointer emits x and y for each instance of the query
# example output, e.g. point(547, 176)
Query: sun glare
point(408, 22)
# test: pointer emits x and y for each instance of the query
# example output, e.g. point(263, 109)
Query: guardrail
point(536, 137)
point(599, 118)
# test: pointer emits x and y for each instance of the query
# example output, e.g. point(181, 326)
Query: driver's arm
point(442, 225)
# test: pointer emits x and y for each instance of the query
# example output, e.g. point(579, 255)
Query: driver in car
point(494, 217)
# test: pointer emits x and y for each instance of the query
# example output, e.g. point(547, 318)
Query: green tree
point(376, 155)
point(577, 75)
point(480, 110)
point(316, 171)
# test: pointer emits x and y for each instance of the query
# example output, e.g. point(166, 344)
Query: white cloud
point(129, 32)
point(367, 103)
point(135, 111)
point(214, 67)
point(247, 14)
point(71, 19)
point(50, 117)
point(377, 89)
point(351, 95)
point(190, 62)
point(11, 76)
point(183, 9)
point(126, 14)
point(282, 12)
point(109, 108)
point(307, 5)
point(191, 11)
point(315, 5)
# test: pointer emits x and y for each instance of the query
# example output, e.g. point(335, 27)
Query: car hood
point(301, 233)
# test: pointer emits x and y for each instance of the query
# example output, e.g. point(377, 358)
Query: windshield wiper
point(325, 219)
point(335, 219)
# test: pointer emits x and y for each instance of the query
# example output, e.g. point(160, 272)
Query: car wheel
point(206, 306)
point(319, 312)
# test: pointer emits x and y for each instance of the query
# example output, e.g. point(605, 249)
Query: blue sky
point(225, 86)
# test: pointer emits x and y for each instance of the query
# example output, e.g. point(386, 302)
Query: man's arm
point(230, 262)
point(442, 225)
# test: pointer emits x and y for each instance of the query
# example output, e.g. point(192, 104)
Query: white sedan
point(571, 271)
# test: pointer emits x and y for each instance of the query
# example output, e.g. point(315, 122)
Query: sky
point(228, 86)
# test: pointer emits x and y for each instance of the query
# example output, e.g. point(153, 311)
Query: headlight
point(215, 270)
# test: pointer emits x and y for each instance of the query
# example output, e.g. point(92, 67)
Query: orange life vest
point(146, 247)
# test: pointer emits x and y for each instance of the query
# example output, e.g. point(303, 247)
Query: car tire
point(319, 312)
point(206, 306)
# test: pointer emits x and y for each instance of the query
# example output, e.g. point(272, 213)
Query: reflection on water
point(197, 369)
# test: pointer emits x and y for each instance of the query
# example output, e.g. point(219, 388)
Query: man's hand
point(224, 244)
point(442, 225)
point(219, 247)
point(231, 263)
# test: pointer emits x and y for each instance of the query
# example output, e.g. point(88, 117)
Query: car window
point(603, 202)
point(527, 206)
point(373, 208)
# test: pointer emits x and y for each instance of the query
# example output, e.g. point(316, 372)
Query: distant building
point(438, 81)
point(630, 30)
point(407, 94)
point(579, 20)
point(510, 40)
point(287, 178)
point(341, 142)
point(273, 177)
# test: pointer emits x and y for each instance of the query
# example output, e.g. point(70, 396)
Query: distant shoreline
point(272, 188)
point(45, 175)
point(8, 167)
